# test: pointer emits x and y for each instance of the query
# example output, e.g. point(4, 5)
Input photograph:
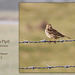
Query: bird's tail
point(68, 37)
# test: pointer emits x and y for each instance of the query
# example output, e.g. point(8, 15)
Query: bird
point(52, 33)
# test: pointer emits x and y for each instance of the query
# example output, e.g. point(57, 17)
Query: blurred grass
point(62, 17)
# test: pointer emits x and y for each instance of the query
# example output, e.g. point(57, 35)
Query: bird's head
point(49, 26)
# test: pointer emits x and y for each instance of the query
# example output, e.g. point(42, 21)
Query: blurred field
point(62, 17)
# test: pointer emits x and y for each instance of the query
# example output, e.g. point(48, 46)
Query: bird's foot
point(55, 41)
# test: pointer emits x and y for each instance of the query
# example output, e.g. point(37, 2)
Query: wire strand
point(44, 41)
point(49, 67)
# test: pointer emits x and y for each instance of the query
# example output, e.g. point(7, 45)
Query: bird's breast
point(48, 34)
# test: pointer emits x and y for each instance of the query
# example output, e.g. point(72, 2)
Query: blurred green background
point(33, 18)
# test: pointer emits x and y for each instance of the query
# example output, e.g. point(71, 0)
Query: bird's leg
point(49, 42)
point(55, 41)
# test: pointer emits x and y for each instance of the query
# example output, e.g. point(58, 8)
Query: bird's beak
point(47, 26)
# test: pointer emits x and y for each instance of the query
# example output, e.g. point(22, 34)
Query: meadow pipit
point(52, 33)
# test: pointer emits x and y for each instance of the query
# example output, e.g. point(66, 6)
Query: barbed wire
point(44, 41)
point(49, 67)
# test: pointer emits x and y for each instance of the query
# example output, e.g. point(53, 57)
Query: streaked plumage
point(52, 33)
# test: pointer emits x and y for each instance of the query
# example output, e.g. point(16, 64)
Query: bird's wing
point(56, 33)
